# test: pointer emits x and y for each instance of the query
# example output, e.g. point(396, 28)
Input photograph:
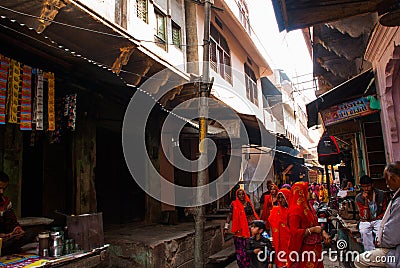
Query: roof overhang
point(29, 47)
point(299, 14)
point(240, 124)
point(72, 26)
point(360, 85)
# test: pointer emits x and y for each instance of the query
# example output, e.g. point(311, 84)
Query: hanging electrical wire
point(104, 66)
point(86, 29)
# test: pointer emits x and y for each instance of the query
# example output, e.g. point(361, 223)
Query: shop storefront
point(350, 112)
point(60, 135)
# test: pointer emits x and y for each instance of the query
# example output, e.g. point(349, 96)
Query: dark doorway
point(118, 196)
point(32, 177)
point(46, 181)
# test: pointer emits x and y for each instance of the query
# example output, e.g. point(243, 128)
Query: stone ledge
point(222, 255)
point(159, 245)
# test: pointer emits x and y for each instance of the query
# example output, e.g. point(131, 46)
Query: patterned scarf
point(240, 226)
point(299, 204)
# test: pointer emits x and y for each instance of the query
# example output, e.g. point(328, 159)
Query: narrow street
point(178, 133)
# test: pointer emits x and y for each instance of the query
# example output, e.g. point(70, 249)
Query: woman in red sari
point(242, 214)
point(305, 248)
point(267, 202)
point(278, 219)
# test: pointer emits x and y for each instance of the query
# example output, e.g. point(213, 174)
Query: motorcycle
point(327, 219)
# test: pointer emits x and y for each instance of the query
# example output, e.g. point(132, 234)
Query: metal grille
point(176, 35)
point(141, 9)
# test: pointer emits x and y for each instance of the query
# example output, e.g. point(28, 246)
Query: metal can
point(56, 243)
point(44, 238)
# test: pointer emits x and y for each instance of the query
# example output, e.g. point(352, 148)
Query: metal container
point(56, 243)
point(86, 230)
point(44, 238)
point(69, 246)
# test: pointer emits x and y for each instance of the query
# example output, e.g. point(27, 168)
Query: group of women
point(289, 219)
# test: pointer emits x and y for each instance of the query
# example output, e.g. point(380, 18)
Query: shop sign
point(312, 175)
point(346, 111)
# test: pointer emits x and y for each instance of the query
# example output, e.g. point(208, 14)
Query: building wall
point(144, 31)
point(238, 57)
point(105, 8)
point(384, 52)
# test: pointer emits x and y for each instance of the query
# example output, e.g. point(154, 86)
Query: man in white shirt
point(387, 253)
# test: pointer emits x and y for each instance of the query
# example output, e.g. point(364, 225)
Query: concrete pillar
point(84, 162)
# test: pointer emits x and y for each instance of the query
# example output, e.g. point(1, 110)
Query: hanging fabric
point(50, 101)
point(374, 103)
point(14, 82)
point(39, 100)
point(4, 66)
point(59, 115)
point(70, 111)
point(26, 99)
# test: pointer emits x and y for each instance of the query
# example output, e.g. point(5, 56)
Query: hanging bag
point(328, 150)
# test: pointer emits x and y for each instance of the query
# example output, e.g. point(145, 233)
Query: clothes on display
point(28, 98)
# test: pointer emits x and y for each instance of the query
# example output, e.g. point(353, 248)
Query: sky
point(283, 50)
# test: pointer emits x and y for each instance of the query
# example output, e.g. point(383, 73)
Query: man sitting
point(10, 230)
point(371, 203)
point(388, 239)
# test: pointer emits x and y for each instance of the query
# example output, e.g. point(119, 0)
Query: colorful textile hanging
point(70, 111)
point(26, 99)
point(56, 134)
point(39, 100)
point(4, 66)
point(50, 101)
point(14, 82)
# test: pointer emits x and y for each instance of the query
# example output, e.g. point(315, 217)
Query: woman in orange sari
point(242, 214)
point(267, 202)
point(278, 219)
point(305, 247)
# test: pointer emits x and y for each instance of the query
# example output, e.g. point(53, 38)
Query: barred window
point(176, 35)
point(141, 9)
point(160, 29)
point(244, 15)
point(251, 84)
point(220, 59)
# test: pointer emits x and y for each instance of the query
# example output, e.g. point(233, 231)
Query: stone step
point(222, 258)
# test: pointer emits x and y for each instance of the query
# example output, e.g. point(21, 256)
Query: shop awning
point(299, 14)
point(360, 85)
point(29, 47)
point(254, 132)
point(74, 27)
point(289, 158)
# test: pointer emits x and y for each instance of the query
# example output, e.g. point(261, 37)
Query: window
point(160, 30)
point(251, 84)
point(141, 9)
point(220, 59)
point(176, 35)
point(244, 15)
